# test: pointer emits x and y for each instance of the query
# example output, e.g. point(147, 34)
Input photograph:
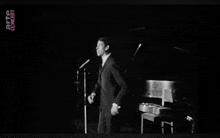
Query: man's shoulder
point(113, 60)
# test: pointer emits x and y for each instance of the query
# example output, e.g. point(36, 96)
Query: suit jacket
point(110, 84)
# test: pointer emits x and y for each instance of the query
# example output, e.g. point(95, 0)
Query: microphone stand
point(85, 109)
point(85, 113)
point(77, 81)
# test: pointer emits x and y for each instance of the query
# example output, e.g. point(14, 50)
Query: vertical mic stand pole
point(77, 82)
point(85, 117)
point(77, 93)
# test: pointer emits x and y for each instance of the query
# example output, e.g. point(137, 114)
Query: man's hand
point(91, 98)
point(114, 109)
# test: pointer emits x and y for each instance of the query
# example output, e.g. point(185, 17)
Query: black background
point(40, 58)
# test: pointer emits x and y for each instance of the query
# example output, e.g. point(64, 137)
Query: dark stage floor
point(62, 123)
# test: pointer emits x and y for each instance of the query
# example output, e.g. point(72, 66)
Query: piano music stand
point(166, 96)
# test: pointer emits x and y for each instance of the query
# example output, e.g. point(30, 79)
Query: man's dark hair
point(106, 41)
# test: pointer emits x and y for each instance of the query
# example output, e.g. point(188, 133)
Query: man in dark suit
point(111, 86)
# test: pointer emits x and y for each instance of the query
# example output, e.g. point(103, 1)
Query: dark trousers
point(107, 123)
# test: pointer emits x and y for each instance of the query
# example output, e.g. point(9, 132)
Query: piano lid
point(163, 63)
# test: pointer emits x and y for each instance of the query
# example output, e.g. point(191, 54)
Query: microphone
point(87, 61)
point(134, 55)
point(137, 49)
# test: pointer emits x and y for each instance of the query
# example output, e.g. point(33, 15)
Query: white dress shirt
point(104, 58)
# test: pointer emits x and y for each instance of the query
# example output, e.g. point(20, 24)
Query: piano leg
point(171, 126)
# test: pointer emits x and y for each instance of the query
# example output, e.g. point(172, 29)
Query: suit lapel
point(102, 68)
point(106, 63)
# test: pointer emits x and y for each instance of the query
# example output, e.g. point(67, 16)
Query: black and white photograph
point(109, 67)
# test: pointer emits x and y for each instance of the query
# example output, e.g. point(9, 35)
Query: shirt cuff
point(93, 94)
point(114, 104)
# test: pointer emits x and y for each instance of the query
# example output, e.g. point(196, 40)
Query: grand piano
point(163, 63)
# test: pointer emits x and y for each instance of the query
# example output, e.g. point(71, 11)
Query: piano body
point(167, 65)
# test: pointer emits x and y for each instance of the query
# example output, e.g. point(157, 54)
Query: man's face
point(101, 48)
